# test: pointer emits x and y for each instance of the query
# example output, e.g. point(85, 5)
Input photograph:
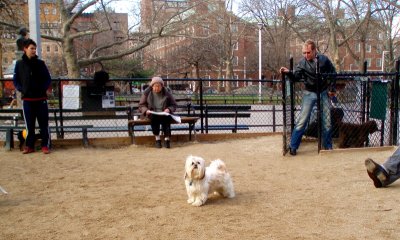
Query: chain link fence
point(365, 112)
point(243, 106)
point(223, 106)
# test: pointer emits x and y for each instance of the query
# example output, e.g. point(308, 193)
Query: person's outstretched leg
point(387, 173)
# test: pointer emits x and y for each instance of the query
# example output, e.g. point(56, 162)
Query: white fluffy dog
point(201, 180)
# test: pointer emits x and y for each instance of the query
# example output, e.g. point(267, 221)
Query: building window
point(357, 47)
point(378, 48)
point(46, 11)
point(212, 7)
point(54, 11)
point(379, 62)
point(380, 36)
point(236, 46)
point(55, 48)
point(235, 61)
point(48, 48)
point(116, 25)
point(368, 47)
point(368, 62)
point(206, 30)
point(234, 28)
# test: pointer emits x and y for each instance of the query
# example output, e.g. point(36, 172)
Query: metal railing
point(362, 97)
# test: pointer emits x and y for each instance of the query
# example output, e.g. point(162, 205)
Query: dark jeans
point(36, 110)
point(392, 165)
point(164, 121)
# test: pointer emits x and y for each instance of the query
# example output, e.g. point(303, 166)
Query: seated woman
point(156, 98)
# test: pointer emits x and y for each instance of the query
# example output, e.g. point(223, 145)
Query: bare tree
point(280, 25)
point(390, 28)
point(70, 11)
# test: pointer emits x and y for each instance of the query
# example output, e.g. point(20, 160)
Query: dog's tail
point(218, 164)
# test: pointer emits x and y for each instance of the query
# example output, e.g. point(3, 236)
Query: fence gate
point(288, 116)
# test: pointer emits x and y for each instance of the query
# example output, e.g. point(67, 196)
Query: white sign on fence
point(70, 96)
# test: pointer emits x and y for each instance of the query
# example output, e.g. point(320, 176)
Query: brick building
point(195, 49)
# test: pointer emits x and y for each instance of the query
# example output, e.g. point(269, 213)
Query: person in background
point(157, 98)
point(306, 70)
point(13, 97)
point(387, 173)
point(32, 79)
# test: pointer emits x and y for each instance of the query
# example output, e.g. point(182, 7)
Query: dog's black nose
point(195, 166)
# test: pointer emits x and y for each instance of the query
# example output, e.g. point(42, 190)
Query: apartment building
point(198, 46)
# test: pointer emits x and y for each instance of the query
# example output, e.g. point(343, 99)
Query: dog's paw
point(190, 200)
point(197, 203)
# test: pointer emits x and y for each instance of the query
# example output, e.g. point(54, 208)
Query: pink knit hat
point(156, 80)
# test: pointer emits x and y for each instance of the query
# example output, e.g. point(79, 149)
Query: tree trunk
point(229, 75)
point(71, 61)
point(196, 71)
point(219, 83)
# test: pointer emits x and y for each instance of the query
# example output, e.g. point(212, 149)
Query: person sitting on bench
point(157, 98)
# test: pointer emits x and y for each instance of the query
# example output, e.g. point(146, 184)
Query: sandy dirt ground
point(138, 192)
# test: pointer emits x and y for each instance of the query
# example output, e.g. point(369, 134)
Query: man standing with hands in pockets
point(32, 79)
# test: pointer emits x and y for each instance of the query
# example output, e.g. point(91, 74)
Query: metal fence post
point(283, 81)
point(395, 100)
point(364, 94)
point(60, 104)
point(319, 109)
point(292, 102)
point(201, 105)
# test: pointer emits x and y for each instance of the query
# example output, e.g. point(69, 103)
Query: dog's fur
point(355, 135)
point(201, 180)
point(337, 115)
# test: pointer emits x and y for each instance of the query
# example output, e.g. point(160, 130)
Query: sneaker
point(28, 150)
point(158, 144)
point(292, 151)
point(45, 150)
point(167, 144)
point(377, 173)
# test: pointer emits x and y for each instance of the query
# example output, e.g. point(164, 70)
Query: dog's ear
point(374, 127)
point(202, 173)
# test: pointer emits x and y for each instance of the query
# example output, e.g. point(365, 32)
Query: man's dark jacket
point(306, 70)
point(31, 78)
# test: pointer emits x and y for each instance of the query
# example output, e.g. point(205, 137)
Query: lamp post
point(383, 60)
point(34, 24)
point(260, 27)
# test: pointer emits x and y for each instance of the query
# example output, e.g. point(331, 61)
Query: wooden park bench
point(183, 111)
point(191, 121)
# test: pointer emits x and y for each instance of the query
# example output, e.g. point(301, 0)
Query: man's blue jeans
point(392, 166)
point(308, 103)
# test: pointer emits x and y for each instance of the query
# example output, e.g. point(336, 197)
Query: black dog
point(354, 135)
point(337, 115)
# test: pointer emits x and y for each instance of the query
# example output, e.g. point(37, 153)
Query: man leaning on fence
point(306, 70)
